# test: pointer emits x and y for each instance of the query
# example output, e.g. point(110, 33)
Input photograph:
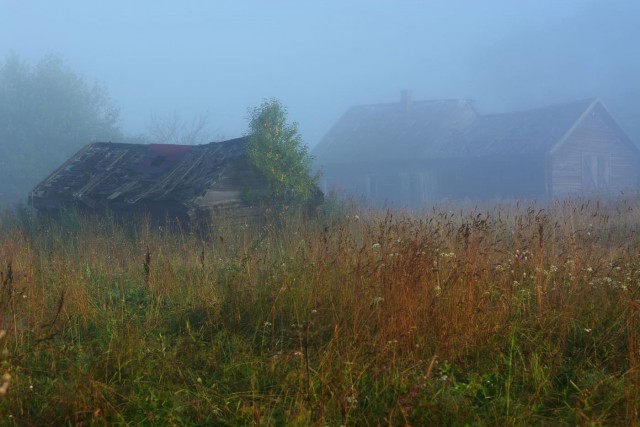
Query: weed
point(532, 313)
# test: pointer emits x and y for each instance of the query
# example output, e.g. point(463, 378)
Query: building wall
point(421, 185)
point(402, 187)
point(595, 159)
point(344, 181)
point(390, 185)
point(493, 178)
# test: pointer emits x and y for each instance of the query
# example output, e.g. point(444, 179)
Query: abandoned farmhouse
point(183, 182)
point(417, 153)
point(406, 154)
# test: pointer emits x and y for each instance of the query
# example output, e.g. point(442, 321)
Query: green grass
point(509, 316)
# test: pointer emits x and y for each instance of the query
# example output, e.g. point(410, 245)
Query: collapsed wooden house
point(419, 153)
point(168, 182)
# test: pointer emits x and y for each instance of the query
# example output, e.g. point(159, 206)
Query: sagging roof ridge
point(129, 172)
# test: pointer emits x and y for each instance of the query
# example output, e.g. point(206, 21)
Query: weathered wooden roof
point(393, 131)
point(112, 174)
point(445, 129)
point(518, 133)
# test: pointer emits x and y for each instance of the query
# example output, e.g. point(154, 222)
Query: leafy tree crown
point(277, 150)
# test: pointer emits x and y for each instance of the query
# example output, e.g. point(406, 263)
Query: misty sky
point(320, 57)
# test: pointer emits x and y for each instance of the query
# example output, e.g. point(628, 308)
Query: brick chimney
point(406, 99)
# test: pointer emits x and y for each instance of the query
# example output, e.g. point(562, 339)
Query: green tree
point(47, 113)
point(277, 150)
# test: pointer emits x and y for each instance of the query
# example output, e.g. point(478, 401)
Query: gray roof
point(113, 174)
point(391, 131)
point(525, 132)
point(444, 129)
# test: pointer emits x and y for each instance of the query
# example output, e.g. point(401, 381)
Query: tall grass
point(509, 316)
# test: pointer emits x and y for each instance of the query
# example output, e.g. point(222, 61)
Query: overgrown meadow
point(514, 315)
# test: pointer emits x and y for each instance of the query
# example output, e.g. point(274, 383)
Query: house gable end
point(595, 156)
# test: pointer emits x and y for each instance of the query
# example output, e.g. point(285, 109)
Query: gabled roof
point(105, 173)
point(390, 131)
point(524, 132)
point(449, 129)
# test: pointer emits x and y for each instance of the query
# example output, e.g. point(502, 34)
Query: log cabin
point(176, 183)
point(417, 154)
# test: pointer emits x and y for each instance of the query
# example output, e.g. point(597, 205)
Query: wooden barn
point(174, 182)
point(415, 154)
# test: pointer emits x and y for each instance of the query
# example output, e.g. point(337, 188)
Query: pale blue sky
point(320, 57)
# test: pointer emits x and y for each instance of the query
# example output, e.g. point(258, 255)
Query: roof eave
point(573, 127)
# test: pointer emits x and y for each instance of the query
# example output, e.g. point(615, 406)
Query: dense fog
point(162, 60)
